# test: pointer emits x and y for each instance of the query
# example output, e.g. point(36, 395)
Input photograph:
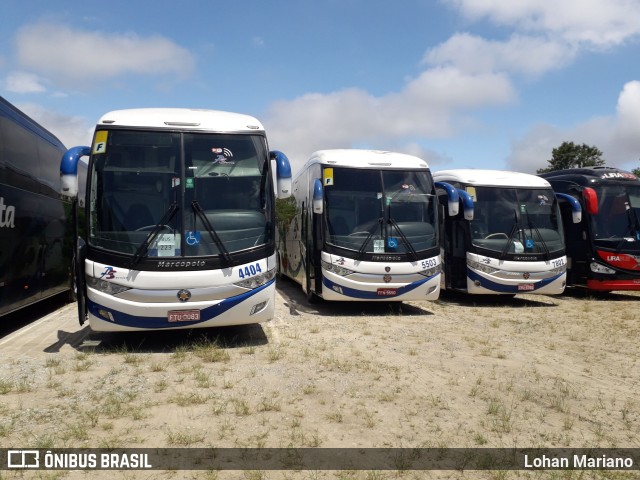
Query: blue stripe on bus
point(206, 314)
point(501, 288)
point(371, 295)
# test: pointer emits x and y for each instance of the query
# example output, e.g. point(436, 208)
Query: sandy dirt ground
point(531, 371)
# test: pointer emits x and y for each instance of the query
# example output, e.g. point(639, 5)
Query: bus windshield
point(617, 223)
point(172, 194)
point(516, 220)
point(380, 211)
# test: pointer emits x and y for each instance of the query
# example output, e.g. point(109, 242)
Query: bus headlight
point(257, 280)
point(337, 269)
point(103, 286)
point(430, 272)
point(599, 268)
point(481, 267)
point(559, 270)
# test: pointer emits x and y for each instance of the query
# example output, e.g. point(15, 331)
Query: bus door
point(313, 236)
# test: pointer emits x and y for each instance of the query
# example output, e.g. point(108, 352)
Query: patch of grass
point(184, 438)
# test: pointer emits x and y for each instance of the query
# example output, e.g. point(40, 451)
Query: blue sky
point(460, 83)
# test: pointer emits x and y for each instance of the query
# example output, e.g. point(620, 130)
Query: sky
point(460, 83)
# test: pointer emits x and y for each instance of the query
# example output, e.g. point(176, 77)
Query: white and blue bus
point(180, 220)
point(362, 225)
point(514, 243)
point(36, 223)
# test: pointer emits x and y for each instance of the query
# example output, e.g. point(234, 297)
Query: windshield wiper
point(405, 240)
point(144, 246)
point(534, 228)
point(372, 230)
point(514, 229)
point(214, 235)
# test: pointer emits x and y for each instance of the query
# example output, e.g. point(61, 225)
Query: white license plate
point(184, 316)
point(387, 292)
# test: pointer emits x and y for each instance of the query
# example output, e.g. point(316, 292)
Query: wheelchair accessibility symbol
point(192, 238)
point(392, 242)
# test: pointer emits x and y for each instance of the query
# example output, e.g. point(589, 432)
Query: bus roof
point(592, 176)
point(182, 118)
point(491, 178)
point(359, 158)
point(19, 117)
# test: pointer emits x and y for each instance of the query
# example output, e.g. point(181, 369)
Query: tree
point(636, 172)
point(570, 155)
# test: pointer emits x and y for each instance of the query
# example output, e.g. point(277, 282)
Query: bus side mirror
point(283, 174)
point(576, 208)
point(591, 200)
point(453, 197)
point(69, 170)
point(467, 204)
point(317, 196)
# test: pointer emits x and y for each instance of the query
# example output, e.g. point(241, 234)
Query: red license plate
point(387, 292)
point(184, 315)
point(526, 286)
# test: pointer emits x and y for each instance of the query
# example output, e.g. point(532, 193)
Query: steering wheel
point(151, 227)
point(497, 235)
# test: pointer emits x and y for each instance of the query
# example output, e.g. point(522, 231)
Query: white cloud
point(519, 54)
point(65, 54)
point(71, 130)
point(431, 105)
point(616, 136)
point(596, 23)
point(23, 82)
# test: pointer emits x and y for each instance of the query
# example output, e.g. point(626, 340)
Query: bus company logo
point(184, 295)
point(387, 278)
point(625, 175)
point(386, 258)
point(182, 264)
point(526, 275)
point(7, 215)
point(109, 273)
point(341, 261)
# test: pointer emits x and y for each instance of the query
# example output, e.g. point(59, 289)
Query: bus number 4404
point(249, 270)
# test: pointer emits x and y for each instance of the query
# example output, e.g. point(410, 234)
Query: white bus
point(179, 220)
point(362, 225)
point(514, 243)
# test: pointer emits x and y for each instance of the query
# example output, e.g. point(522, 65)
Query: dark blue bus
point(36, 223)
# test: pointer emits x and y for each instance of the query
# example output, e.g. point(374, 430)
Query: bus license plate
point(184, 315)
point(526, 286)
point(387, 292)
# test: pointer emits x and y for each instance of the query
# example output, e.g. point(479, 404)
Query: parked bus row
point(168, 220)
point(181, 229)
point(368, 225)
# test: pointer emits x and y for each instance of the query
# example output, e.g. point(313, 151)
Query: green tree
point(570, 155)
point(636, 172)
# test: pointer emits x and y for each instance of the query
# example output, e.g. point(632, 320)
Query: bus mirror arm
point(576, 208)
point(283, 173)
point(317, 196)
point(453, 197)
point(69, 170)
point(467, 204)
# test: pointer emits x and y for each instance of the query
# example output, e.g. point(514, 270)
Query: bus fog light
point(432, 289)
point(258, 307)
